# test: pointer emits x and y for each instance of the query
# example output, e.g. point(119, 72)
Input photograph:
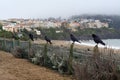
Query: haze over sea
point(111, 43)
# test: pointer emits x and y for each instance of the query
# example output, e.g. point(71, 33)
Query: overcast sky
point(56, 8)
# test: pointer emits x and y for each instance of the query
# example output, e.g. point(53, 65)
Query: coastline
point(82, 45)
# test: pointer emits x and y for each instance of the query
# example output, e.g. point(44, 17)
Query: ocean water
point(111, 43)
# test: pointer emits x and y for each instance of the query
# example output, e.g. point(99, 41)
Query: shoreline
point(101, 46)
point(82, 45)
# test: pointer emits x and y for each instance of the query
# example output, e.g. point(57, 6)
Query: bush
point(97, 67)
point(37, 59)
point(42, 58)
point(19, 52)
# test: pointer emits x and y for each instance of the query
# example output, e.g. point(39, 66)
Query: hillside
point(113, 20)
point(19, 69)
point(82, 34)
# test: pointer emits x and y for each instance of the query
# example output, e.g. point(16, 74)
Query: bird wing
point(98, 40)
point(76, 39)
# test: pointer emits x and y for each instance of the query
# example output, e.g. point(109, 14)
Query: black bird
point(31, 36)
point(73, 38)
point(97, 39)
point(48, 40)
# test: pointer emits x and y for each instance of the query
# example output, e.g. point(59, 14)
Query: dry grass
point(12, 68)
point(101, 65)
point(98, 67)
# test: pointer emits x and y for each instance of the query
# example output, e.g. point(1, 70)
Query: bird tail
point(32, 39)
point(79, 41)
point(50, 42)
point(103, 43)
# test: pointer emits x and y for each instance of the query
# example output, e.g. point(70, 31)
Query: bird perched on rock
point(97, 39)
point(47, 40)
point(31, 37)
point(74, 39)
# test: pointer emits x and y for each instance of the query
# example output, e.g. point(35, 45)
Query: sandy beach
point(63, 43)
point(77, 45)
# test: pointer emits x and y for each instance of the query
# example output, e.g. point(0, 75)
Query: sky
point(56, 8)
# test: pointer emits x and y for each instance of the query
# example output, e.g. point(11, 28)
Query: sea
point(110, 43)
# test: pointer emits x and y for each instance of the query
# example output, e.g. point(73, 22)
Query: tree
point(1, 26)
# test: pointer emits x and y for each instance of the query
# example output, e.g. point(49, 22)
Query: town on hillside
point(16, 25)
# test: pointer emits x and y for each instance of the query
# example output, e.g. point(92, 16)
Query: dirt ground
point(12, 68)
